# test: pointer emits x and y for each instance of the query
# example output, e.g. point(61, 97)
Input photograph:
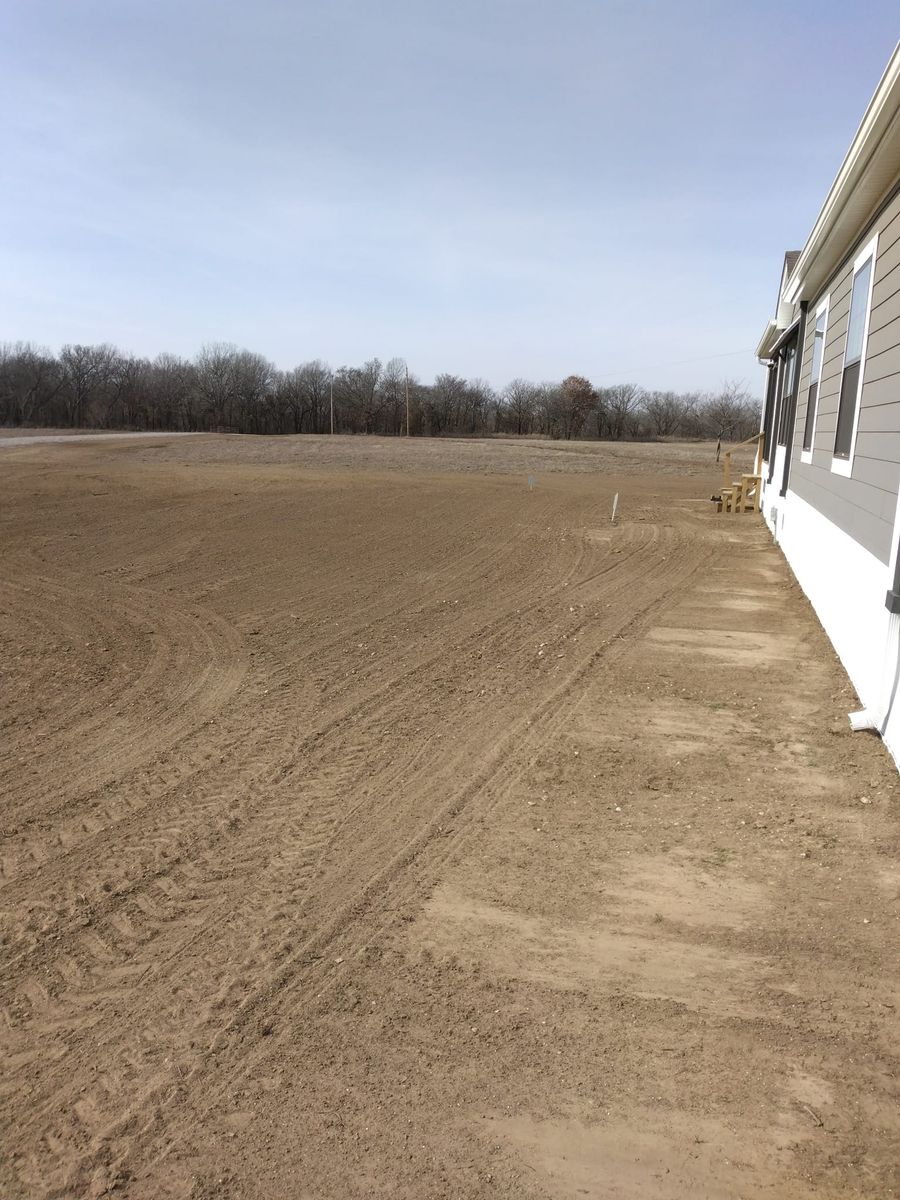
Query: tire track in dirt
point(79, 981)
point(199, 900)
point(277, 774)
point(207, 1017)
point(487, 563)
point(100, 829)
point(178, 698)
point(624, 584)
point(76, 969)
point(421, 533)
point(317, 958)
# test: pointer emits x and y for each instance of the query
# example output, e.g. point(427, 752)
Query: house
point(831, 418)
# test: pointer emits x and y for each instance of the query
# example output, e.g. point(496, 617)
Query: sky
point(495, 188)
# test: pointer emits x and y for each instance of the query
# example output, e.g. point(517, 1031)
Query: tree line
point(238, 391)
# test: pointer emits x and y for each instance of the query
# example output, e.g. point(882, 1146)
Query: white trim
point(768, 339)
point(844, 466)
point(806, 456)
point(846, 585)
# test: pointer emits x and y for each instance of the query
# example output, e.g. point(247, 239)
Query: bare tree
point(292, 400)
point(478, 401)
point(393, 391)
point(314, 381)
point(444, 403)
point(521, 398)
point(619, 403)
point(666, 412)
point(241, 391)
point(173, 395)
point(87, 376)
point(126, 398)
point(253, 383)
point(30, 379)
point(214, 367)
point(548, 407)
point(731, 413)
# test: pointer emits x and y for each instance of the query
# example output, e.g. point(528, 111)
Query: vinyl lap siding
point(865, 504)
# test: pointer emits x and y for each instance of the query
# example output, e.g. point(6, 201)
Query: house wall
point(840, 534)
point(771, 502)
point(864, 504)
point(846, 585)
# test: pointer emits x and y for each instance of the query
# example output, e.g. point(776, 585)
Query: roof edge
point(767, 341)
point(881, 111)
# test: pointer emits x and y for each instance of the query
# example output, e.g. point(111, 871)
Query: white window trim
point(844, 466)
point(806, 456)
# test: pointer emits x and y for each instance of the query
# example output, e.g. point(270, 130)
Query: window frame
point(839, 464)
point(769, 410)
point(789, 377)
point(806, 456)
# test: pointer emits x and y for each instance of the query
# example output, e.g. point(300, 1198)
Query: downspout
point(892, 604)
point(795, 392)
point(882, 728)
point(866, 718)
point(892, 599)
point(773, 432)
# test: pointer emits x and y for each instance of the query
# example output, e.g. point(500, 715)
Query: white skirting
point(846, 586)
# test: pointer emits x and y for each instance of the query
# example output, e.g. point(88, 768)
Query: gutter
point(876, 122)
point(763, 350)
point(767, 349)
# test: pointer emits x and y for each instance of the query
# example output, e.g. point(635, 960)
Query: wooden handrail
point(726, 459)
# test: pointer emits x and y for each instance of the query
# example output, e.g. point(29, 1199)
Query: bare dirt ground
point(375, 826)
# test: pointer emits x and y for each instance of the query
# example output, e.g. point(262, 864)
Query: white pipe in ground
point(862, 720)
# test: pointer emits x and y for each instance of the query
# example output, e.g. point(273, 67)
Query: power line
point(678, 362)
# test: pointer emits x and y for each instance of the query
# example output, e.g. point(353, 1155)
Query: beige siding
point(883, 356)
point(865, 504)
point(883, 311)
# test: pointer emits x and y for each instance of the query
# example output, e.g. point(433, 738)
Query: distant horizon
point(610, 379)
point(495, 190)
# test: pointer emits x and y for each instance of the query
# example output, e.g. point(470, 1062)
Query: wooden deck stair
point(744, 495)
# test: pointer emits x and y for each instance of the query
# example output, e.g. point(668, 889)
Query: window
point(815, 374)
point(769, 415)
point(854, 360)
point(787, 388)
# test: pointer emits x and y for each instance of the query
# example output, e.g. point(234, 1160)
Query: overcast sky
point(488, 187)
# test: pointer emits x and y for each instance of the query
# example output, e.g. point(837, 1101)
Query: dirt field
point(374, 825)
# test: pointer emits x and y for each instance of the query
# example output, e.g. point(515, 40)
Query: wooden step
point(751, 483)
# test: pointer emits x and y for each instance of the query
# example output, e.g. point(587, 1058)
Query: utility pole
point(332, 401)
point(407, 398)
